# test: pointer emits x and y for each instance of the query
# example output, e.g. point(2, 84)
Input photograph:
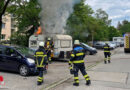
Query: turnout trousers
point(107, 56)
point(81, 67)
point(40, 76)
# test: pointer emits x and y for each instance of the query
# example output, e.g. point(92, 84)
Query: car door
point(12, 59)
point(2, 57)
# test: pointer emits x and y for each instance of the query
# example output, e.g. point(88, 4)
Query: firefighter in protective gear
point(76, 63)
point(48, 46)
point(40, 61)
point(107, 53)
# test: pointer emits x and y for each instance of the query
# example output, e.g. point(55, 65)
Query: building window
point(3, 36)
point(3, 25)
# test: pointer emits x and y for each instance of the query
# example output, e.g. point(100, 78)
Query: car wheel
point(23, 70)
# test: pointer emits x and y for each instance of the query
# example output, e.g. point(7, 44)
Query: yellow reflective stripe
point(72, 55)
point(105, 59)
point(39, 80)
point(106, 47)
point(70, 68)
point(79, 54)
point(49, 58)
point(87, 79)
point(109, 58)
point(106, 51)
point(79, 61)
point(40, 77)
point(77, 81)
point(70, 62)
point(76, 77)
point(85, 75)
point(40, 66)
point(39, 53)
point(42, 62)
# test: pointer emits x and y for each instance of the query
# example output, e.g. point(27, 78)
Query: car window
point(10, 51)
point(97, 44)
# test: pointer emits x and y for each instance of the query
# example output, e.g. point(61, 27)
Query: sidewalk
point(113, 76)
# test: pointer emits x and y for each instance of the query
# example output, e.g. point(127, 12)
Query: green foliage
point(84, 26)
point(77, 22)
point(27, 16)
point(19, 39)
point(113, 32)
point(125, 27)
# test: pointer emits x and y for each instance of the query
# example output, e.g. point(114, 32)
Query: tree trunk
point(0, 27)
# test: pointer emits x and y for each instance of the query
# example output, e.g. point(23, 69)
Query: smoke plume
point(54, 15)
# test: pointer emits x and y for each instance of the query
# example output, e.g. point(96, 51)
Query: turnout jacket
point(40, 57)
point(106, 48)
point(77, 55)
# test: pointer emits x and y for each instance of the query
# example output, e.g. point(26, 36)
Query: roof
point(63, 37)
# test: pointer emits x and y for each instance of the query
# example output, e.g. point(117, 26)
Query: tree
point(103, 16)
point(79, 21)
point(27, 16)
point(125, 22)
point(113, 32)
point(3, 7)
point(125, 28)
point(119, 25)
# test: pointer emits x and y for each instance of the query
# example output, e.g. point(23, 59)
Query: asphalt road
point(113, 76)
point(57, 72)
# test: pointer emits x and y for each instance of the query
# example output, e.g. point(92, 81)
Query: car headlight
point(30, 60)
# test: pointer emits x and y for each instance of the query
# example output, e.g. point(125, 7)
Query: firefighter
point(76, 63)
point(41, 61)
point(107, 53)
point(48, 46)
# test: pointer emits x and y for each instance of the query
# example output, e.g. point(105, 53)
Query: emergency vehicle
point(127, 42)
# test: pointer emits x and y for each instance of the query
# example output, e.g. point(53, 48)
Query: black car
point(89, 50)
point(19, 59)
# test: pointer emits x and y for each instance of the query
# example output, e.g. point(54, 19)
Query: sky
point(118, 10)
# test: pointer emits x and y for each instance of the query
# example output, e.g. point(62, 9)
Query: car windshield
point(25, 51)
point(87, 45)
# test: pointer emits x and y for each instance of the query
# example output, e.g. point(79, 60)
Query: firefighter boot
point(75, 84)
point(105, 62)
point(109, 61)
point(88, 82)
point(39, 83)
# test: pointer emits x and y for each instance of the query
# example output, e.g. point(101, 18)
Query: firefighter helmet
point(41, 44)
point(49, 39)
point(76, 42)
point(106, 42)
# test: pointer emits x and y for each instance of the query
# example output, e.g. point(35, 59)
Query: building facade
point(8, 27)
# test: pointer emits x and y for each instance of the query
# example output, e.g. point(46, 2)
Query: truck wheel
point(23, 70)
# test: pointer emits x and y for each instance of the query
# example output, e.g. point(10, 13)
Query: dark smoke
point(54, 15)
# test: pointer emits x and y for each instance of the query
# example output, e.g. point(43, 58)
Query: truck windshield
point(25, 51)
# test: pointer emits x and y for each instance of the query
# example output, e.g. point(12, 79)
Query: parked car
point(99, 45)
point(114, 43)
point(112, 46)
point(19, 59)
point(88, 49)
point(121, 44)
